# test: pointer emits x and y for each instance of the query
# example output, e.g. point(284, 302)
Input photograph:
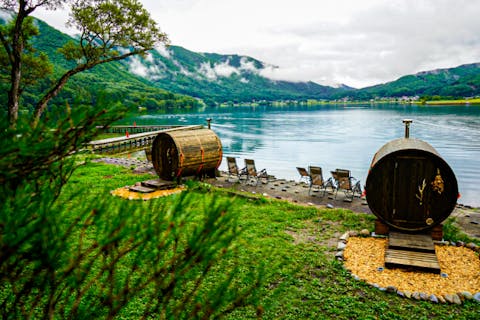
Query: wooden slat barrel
point(186, 153)
point(409, 186)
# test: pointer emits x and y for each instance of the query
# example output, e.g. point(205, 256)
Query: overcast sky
point(355, 42)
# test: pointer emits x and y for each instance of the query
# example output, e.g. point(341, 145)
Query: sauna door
point(411, 192)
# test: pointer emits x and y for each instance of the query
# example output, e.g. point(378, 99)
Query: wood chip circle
point(364, 256)
point(124, 192)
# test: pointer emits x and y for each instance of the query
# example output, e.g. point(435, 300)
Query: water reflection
point(281, 139)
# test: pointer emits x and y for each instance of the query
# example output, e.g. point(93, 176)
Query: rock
point(471, 245)
point(400, 294)
point(456, 299)
point(433, 298)
point(345, 236)
point(341, 245)
point(284, 190)
point(353, 233)
point(416, 296)
point(467, 295)
point(460, 243)
point(476, 297)
point(423, 296)
point(391, 289)
point(278, 197)
point(449, 298)
point(364, 233)
point(408, 294)
point(339, 255)
point(330, 206)
point(441, 299)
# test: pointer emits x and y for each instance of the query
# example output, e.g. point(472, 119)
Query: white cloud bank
point(358, 43)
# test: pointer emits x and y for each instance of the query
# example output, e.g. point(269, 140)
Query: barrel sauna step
point(406, 250)
point(410, 259)
point(141, 189)
point(411, 242)
point(158, 184)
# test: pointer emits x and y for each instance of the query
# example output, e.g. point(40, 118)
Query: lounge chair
point(317, 181)
point(350, 186)
point(233, 170)
point(254, 175)
point(304, 175)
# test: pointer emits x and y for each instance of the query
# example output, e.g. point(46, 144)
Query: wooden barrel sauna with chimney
point(186, 153)
point(409, 186)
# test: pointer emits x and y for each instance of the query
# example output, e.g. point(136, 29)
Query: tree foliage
point(109, 31)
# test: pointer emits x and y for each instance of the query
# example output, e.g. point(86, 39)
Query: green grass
point(296, 244)
point(450, 102)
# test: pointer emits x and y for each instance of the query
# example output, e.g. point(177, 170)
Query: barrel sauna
point(409, 186)
point(186, 153)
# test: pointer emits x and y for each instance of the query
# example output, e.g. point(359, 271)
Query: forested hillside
point(175, 77)
point(459, 82)
point(109, 83)
point(222, 78)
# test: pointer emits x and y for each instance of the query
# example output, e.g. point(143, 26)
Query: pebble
point(467, 295)
point(408, 294)
point(365, 233)
point(471, 245)
point(453, 298)
point(433, 298)
point(449, 298)
point(330, 206)
point(456, 299)
point(476, 297)
point(341, 245)
point(345, 236)
point(416, 296)
point(391, 289)
point(441, 299)
point(423, 296)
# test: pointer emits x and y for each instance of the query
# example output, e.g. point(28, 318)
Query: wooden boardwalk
point(133, 141)
point(137, 129)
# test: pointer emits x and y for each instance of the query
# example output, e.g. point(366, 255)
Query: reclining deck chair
point(316, 180)
point(350, 186)
point(233, 170)
point(304, 175)
point(253, 174)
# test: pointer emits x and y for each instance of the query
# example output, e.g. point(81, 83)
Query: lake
point(281, 138)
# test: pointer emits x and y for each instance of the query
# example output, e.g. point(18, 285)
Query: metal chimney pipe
point(208, 121)
point(407, 127)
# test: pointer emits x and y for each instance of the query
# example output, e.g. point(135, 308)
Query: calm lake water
point(280, 139)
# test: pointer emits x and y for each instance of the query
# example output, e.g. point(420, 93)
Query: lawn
point(293, 245)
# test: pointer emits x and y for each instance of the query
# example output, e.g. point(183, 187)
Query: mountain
point(461, 81)
point(175, 77)
point(221, 78)
point(105, 84)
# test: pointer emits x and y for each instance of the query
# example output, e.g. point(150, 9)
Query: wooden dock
point(136, 129)
point(133, 141)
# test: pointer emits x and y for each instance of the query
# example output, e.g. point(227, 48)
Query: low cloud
point(146, 70)
point(223, 69)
